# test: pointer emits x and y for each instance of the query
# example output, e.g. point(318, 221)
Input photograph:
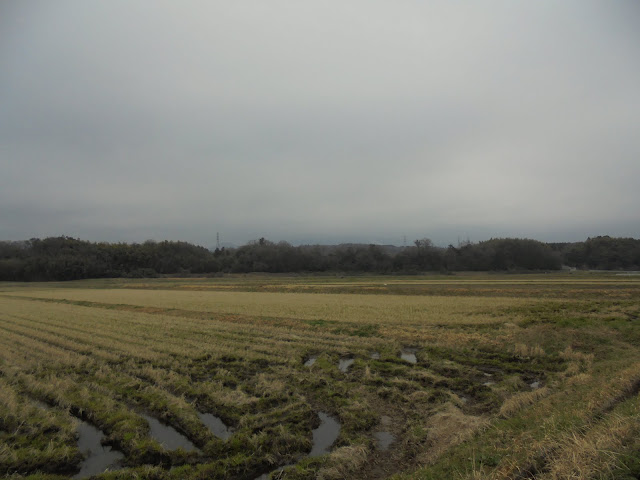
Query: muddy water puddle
point(384, 440)
point(168, 436)
point(99, 457)
point(325, 435)
point(216, 425)
point(408, 354)
point(344, 364)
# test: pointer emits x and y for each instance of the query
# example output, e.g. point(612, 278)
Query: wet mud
point(323, 438)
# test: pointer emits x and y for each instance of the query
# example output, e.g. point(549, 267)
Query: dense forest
point(65, 258)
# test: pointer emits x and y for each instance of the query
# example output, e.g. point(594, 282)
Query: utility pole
point(218, 240)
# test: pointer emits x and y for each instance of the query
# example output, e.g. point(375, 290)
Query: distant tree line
point(601, 253)
point(65, 258)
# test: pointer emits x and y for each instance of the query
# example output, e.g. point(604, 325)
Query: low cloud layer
point(319, 121)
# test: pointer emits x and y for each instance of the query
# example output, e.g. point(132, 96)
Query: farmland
point(461, 376)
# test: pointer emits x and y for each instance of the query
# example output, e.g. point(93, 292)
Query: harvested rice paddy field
point(251, 377)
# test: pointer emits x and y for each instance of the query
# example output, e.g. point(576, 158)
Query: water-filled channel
point(168, 436)
point(216, 425)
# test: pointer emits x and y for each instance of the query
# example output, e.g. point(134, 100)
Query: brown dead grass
point(519, 401)
point(448, 428)
point(592, 454)
point(387, 309)
point(343, 462)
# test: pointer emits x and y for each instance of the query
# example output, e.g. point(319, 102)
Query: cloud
point(324, 121)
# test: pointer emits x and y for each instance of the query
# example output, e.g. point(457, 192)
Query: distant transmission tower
point(218, 240)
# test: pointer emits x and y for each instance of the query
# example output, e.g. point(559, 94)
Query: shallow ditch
point(168, 436)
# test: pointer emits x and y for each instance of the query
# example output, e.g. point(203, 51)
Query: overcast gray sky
point(319, 121)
